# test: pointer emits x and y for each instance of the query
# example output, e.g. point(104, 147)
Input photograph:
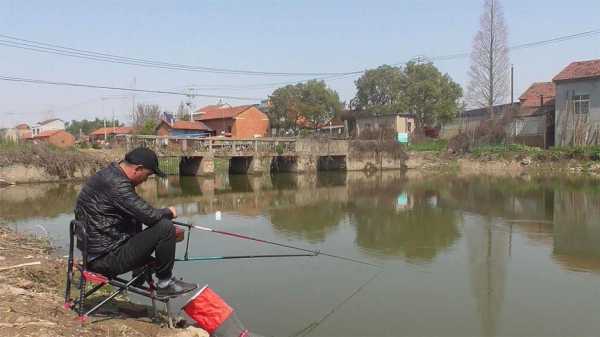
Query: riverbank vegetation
point(511, 151)
point(56, 162)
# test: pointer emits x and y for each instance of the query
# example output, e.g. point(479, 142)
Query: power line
point(15, 42)
point(10, 41)
point(85, 85)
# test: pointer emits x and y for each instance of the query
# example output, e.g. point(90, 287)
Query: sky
point(271, 36)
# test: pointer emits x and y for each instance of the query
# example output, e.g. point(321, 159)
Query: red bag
point(215, 316)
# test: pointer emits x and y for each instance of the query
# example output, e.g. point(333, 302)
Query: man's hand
point(172, 209)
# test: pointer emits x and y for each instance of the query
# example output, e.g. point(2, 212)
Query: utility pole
point(190, 103)
point(512, 87)
point(133, 102)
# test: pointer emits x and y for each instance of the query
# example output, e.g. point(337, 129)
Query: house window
point(581, 104)
point(409, 126)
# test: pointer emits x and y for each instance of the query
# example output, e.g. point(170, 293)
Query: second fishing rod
point(245, 237)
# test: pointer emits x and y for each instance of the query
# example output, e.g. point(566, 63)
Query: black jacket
point(112, 210)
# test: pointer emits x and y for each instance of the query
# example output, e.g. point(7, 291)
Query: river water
point(475, 256)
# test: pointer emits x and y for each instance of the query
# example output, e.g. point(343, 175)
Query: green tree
point(144, 117)
point(87, 126)
point(432, 96)
point(149, 127)
point(379, 91)
point(318, 103)
point(312, 102)
point(284, 109)
point(418, 88)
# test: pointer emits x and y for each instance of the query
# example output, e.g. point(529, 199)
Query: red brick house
point(109, 133)
point(245, 121)
point(59, 138)
point(183, 129)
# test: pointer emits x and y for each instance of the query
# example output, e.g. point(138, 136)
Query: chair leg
point(82, 287)
point(68, 303)
point(169, 314)
point(88, 293)
point(152, 292)
point(113, 295)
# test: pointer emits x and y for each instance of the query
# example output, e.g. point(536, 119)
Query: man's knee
point(166, 227)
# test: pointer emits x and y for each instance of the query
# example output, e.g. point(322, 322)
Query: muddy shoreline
point(32, 279)
point(423, 163)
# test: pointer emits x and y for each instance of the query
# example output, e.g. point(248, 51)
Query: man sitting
point(114, 214)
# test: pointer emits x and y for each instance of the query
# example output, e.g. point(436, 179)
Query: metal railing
point(170, 146)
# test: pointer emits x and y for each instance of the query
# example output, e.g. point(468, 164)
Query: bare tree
point(489, 80)
point(146, 117)
point(183, 112)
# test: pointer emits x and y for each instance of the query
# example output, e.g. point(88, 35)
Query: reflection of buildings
point(400, 219)
point(577, 229)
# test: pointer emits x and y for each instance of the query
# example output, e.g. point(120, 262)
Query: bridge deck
point(226, 147)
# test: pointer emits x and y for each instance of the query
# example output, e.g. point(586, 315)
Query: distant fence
point(178, 146)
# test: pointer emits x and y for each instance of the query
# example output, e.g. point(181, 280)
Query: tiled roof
point(50, 120)
point(481, 112)
point(531, 96)
point(219, 112)
point(579, 70)
point(117, 131)
point(46, 134)
point(22, 126)
point(186, 125)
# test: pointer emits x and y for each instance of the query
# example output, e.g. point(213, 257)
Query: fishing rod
point(211, 258)
point(240, 236)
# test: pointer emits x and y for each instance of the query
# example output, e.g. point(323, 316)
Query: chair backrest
point(78, 233)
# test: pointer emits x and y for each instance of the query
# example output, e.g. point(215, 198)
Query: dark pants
point(136, 252)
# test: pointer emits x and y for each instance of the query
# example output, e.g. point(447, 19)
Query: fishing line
point(312, 326)
point(240, 236)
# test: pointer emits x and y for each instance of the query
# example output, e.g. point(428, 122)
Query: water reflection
point(311, 222)
point(37, 200)
point(488, 253)
point(401, 220)
point(577, 229)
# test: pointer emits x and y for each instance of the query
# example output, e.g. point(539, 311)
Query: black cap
point(145, 157)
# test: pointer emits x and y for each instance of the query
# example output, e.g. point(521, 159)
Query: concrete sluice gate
point(281, 164)
point(331, 163)
point(202, 166)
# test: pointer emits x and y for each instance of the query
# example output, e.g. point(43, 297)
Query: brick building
point(58, 138)
point(109, 133)
point(245, 121)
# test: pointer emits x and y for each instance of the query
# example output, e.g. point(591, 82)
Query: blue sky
point(275, 36)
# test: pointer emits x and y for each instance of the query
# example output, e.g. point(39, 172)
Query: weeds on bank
point(515, 151)
point(63, 163)
point(436, 145)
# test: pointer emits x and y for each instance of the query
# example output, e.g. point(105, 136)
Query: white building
point(48, 125)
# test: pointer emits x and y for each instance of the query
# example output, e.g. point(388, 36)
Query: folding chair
point(78, 231)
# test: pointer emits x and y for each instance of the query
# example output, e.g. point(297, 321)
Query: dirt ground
point(31, 298)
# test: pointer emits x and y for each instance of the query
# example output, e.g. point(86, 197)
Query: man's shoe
point(175, 287)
